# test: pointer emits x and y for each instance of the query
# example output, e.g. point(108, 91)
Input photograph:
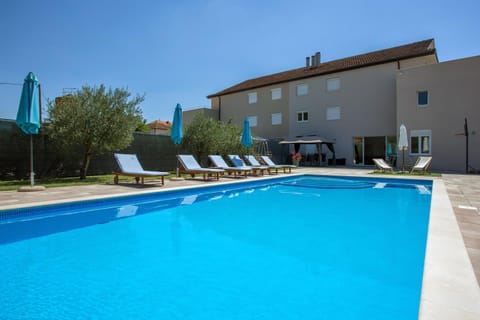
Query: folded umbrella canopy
point(246, 135)
point(403, 143)
point(177, 133)
point(28, 115)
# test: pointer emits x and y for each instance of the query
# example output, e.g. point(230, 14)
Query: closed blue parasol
point(246, 136)
point(177, 133)
point(28, 115)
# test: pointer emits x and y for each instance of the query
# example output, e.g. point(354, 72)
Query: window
point(333, 113)
point(333, 84)
point(302, 116)
point(276, 94)
point(253, 121)
point(252, 97)
point(276, 119)
point(420, 142)
point(422, 98)
point(302, 89)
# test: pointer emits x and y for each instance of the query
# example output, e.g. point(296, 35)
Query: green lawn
point(406, 173)
point(66, 182)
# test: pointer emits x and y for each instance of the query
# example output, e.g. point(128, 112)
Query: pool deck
point(452, 263)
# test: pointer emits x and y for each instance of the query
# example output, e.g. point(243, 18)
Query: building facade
point(357, 102)
point(433, 103)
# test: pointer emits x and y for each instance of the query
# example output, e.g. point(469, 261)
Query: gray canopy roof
point(306, 140)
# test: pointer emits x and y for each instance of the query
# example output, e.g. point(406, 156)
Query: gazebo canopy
point(307, 140)
point(311, 139)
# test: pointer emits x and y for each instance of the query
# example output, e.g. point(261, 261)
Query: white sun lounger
point(238, 162)
point(130, 166)
point(422, 164)
point(219, 162)
point(191, 166)
point(269, 162)
point(254, 163)
point(382, 165)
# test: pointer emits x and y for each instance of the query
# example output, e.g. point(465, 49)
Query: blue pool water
point(295, 248)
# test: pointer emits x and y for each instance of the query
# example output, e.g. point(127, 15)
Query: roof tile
point(160, 125)
point(417, 49)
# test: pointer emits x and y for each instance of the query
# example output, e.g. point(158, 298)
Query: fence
point(155, 152)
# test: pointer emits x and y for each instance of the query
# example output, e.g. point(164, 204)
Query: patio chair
point(269, 162)
point(192, 167)
point(130, 166)
point(254, 163)
point(382, 165)
point(219, 162)
point(422, 164)
point(238, 162)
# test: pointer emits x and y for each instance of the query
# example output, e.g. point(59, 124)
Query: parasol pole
point(40, 102)
point(466, 146)
point(32, 174)
point(32, 182)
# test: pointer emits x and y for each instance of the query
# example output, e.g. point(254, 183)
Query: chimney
point(317, 59)
point(307, 64)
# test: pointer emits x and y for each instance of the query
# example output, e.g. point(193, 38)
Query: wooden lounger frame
point(139, 178)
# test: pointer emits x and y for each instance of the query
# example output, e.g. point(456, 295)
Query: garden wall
point(155, 152)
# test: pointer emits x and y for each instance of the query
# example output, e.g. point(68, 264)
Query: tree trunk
point(85, 163)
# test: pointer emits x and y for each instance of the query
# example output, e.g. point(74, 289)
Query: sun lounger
point(238, 162)
point(219, 162)
point(251, 160)
point(382, 165)
point(130, 166)
point(191, 166)
point(422, 164)
point(269, 162)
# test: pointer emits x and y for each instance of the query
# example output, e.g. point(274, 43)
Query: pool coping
point(449, 287)
point(142, 192)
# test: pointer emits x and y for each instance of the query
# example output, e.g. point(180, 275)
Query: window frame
point(276, 93)
point(302, 85)
point(333, 108)
point(427, 97)
point(277, 115)
point(302, 113)
point(419, 135)
point(251, 96)
point(253, 120)
point(334, 80)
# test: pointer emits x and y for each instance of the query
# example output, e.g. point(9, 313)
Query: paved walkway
point(14, 199)
point(464, 194)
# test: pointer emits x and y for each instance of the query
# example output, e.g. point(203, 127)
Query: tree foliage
point(97, 119)
point(205, 136)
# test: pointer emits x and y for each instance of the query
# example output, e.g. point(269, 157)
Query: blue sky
point(182, 51)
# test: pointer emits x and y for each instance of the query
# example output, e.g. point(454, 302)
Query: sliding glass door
point(367, 148)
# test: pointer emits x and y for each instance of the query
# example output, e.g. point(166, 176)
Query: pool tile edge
point(449, 288)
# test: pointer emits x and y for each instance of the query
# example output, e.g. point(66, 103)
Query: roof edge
point(431, 50)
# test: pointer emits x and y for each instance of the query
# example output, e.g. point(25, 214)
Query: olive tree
point(97, 119)
point(204, 136)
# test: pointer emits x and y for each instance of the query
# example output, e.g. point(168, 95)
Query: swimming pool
point(294, 248)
